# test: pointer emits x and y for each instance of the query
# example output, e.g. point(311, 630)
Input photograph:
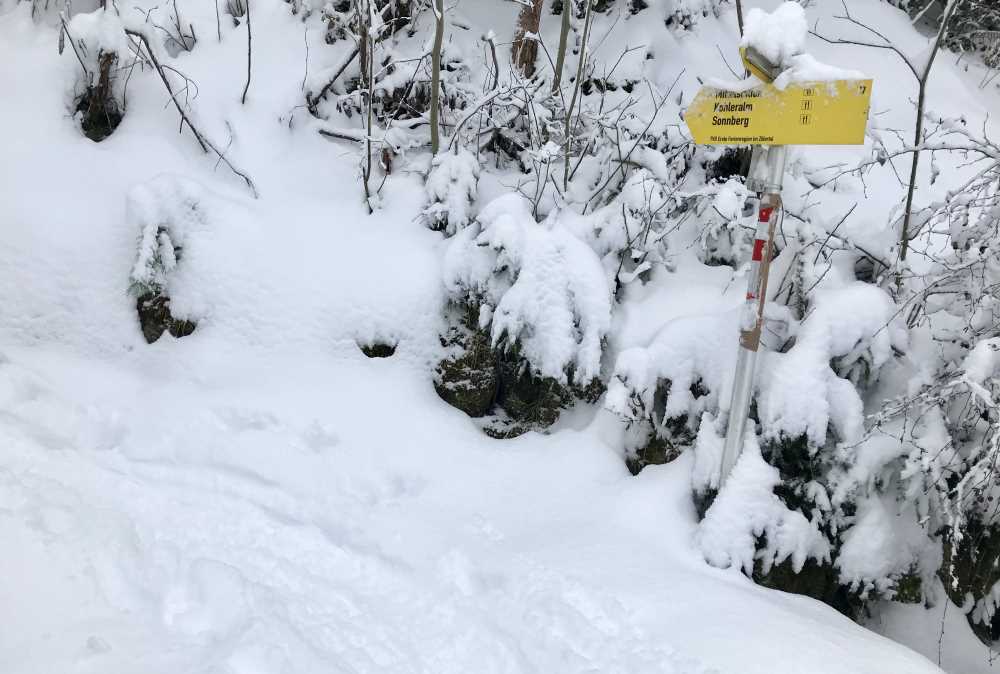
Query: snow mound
point(688, 351)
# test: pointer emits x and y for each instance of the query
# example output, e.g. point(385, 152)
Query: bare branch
point(246, 88)
point(203, 141)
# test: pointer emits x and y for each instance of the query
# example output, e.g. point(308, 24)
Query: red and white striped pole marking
point(752, 316)
point(760, 263)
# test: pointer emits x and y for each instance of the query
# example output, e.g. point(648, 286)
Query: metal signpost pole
point(767, 169)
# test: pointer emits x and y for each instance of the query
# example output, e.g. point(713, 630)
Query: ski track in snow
point(258, 498)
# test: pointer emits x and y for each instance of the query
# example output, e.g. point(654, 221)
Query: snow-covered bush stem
point(98, 42)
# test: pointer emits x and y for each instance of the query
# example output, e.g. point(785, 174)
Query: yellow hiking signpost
point(817, 113)
point(770, 119)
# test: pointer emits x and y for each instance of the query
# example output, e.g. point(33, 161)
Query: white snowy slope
point(261, 498)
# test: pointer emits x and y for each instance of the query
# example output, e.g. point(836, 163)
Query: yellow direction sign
point(817, 113)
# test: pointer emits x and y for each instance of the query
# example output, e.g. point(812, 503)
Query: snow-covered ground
point(260, 497)
point(168, 512)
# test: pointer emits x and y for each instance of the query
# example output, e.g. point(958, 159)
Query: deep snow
point(259, 497)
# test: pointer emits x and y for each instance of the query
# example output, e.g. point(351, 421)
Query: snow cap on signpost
point(770, 40)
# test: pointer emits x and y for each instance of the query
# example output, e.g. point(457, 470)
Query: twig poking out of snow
point(541, 287)
point(203, 140)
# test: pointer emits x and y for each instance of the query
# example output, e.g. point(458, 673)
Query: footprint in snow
point(244, 419)
point(209, 603)
point(97, 646)
point(319, 437)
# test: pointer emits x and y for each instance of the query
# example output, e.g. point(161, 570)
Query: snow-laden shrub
point(892, 483)
point(678, 376)
point(809, 406)
point(884, 545)
point(940, 469)
point(648, 222)
point(970, 401)
point(748, 525)
point(451, 188)
point(724, 237)
point(908, 494)
point(811, 410)
point(808, 391)
point(630, 232)
point(99, 43)
point(537, 286)
point(662, 390)
point(166, 210)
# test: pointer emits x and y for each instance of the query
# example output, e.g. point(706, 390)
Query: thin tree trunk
point(367, 75)
point(581, 64)
point(525, 48)
point(918, 134)
point(436, 75)
point(563, 42)
point(904, 236)
point(364, 21)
